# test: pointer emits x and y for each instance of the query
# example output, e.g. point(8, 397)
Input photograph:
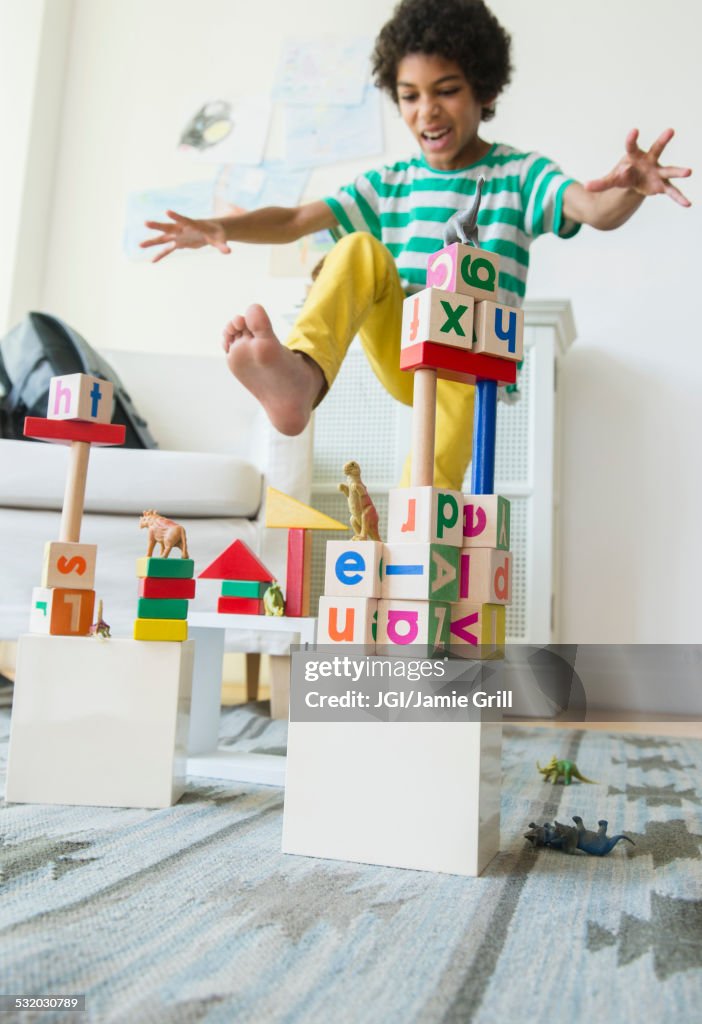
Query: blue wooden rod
point(484, 424)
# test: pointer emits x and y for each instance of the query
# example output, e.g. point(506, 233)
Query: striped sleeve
point(542, 185)
point(356, 207)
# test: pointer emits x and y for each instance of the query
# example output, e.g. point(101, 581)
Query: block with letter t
point(78, 396)
point(486, 521)
point(429, 515)
point(464, 269)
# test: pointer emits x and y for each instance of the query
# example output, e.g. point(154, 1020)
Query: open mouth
point(435, 136)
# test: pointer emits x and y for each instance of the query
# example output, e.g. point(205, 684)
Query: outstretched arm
point(270, 224)
point(609, 202)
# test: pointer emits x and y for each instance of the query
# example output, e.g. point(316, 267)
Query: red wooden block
point(237, 562)
point(66, 431)
point(297, 591)
point(455, 364)
point(153, 586)
point(240, 606)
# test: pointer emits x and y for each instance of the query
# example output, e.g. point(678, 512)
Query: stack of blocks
point(245, 579)
point(165, 587)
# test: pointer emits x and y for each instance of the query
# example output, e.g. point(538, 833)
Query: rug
point(193, 914)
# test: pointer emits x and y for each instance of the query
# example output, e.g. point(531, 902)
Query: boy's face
point(438, 106)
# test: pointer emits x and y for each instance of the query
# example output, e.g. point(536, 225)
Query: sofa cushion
point(126, 481)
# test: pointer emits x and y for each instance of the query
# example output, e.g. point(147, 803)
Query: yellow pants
point(358, 291)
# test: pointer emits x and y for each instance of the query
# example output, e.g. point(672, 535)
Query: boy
point(445, 70)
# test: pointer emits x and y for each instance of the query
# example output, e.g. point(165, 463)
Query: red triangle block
point(237, 562)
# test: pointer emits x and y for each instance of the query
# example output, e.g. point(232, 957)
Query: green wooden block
point(244, 588)
point(166, 568)
point(443, 572)
point(162, 608)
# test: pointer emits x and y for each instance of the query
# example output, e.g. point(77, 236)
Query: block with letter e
point(441, 317)
point(464, 269)
point(69, 565)
point(422, 572)
point(499, 330)
point(414, 628)
point(477, 630)
point(485, 576)
point(486, 521)
point(353, 568)
point(347, 620)
point(61, 611)
point(78, 396)
point(425, 514)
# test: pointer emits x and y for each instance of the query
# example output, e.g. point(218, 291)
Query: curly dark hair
point(464, 31)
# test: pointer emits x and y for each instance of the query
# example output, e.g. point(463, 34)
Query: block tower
point(166, 585)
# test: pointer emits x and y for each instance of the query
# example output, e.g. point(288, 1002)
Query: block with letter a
point(353, 568)
point(348, 620)
point(78, 396)
point(69, 565)
point(477, 630)
point(486, 521)
point(428, 515)
point(485, 576)
point(422, 572)
point(441, 317)
point(464, 269)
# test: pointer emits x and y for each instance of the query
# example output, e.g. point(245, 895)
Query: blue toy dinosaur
point(568, 839)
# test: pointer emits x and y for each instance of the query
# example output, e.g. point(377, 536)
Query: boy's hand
point(185, 233)
point(641, 172)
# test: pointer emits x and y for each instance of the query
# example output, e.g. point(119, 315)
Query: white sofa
point(217, 455)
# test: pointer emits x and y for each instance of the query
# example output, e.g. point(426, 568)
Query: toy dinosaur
point(463, 225)
point(362, 511)
point(567, 770)
point(100, 627)
point(568, 839)
point(273, 600)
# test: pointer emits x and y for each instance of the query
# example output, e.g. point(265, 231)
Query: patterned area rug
point(193, 913)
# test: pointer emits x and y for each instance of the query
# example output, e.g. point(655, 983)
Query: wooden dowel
point(423, 428)
point(484, 429)
point(74, 495)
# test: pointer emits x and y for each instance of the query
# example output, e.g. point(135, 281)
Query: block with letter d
point(61, 611)
point(464, 269)
point(423, 572)
point(428, 515)
point(78, 396)
point(441, 317)
point(416, 628)
point(486, 520)
point(477, 630)
point(353, 568)
point(69, 565)
point(499, 330)
point(348, 620)
point(485, 576)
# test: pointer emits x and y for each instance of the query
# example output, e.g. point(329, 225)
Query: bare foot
point(285, 382)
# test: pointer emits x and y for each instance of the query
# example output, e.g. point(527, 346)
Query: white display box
point(102, 722)
point(422, 795)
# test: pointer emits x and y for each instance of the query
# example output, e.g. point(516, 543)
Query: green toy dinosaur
point(556, 770)
point(273, 600)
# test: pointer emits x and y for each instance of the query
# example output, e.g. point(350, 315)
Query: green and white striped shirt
point(406, 205)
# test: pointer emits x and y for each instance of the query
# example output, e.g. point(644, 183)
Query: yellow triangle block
point(289, 513)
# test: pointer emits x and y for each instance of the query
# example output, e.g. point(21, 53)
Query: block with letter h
point(498, 330)
point(79, 396)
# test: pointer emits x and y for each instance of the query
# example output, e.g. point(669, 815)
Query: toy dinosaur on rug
point(557, 769)
point(568, 839)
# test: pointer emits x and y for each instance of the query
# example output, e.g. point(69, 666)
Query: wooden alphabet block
point(353, 568)
point(152, 586)
point(456, 364)
point(428, 515)
point(486, 519)
point(499, 330)
point(175, 630)
point(240, 606)
point(61, 611)
point(464, 269)
point(69, 565)
point(162, 608)
point(441, 317)
point(68, 431)
point(348, 620)
point(417, 627)
point(166, 568)
point(485, 576)
point(477, 630)
point(422, 572)
point(244, 588)
point(78, 396)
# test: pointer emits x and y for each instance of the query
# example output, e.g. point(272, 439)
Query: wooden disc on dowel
point(423, 428)
point(74, 494)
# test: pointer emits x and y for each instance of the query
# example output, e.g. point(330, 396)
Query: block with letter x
point(441, 317)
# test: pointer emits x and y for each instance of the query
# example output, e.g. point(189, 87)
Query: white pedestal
point(99, 722)
point(422, 795)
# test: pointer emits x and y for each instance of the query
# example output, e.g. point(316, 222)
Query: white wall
point(585, 75)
